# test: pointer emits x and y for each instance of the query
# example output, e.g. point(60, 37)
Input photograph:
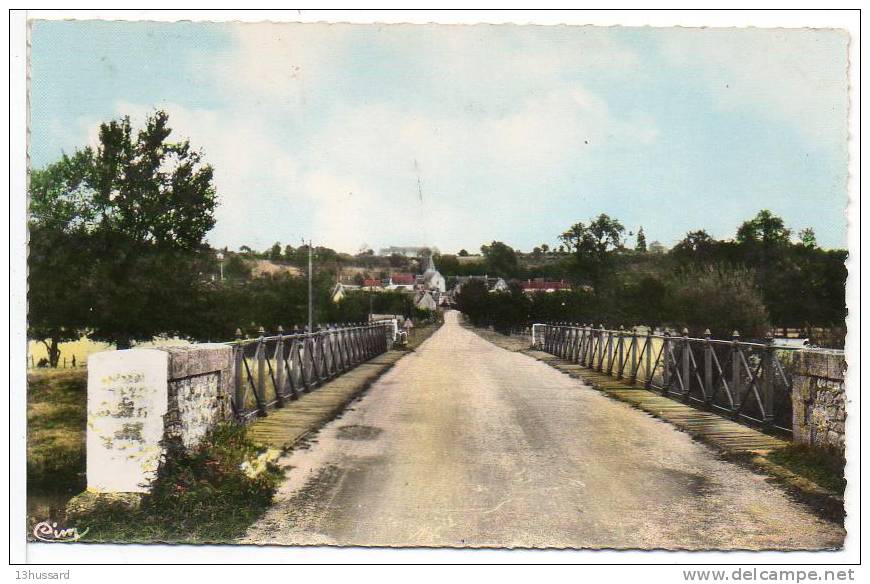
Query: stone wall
point(143, 402)
point(200, 384)
point(819, 398)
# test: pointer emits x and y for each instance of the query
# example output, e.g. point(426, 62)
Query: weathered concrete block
point(143, 402)
point(126, 405)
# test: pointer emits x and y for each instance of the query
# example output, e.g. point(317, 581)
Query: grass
point(823, 466)
point(420, 333)
point(56, 418)
point(201, 497)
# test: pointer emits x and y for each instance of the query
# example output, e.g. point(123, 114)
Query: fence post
point(620, 352)
point(708, 367)
point(600, 347)
point(279, 367)
point(634, 361)
point(767, 385)
point(687, 364)
point(238, 356)
point(736, 378)
point(649, 374)
point(666, 368)
point(610, 351)
point(261, 372)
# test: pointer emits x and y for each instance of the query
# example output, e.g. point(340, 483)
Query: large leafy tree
point(136, 209)
point(592, 246)
point(501, 259)
point(58, 254)
point(765, 228)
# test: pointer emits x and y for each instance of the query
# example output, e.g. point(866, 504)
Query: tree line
point(117, 251)
point(761, 278)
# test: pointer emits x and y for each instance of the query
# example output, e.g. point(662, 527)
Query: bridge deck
point(464, 444)
point(709, 427)
point(282, 428)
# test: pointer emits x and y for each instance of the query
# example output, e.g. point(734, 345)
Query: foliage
point(500, 258)
point(201, 497)
point(765, 228)
point(136, 210)
point(356, 306)
point(236, 267)
point(640, 245)
point(807, 237)
point(57, 295)
point(719, 298)
point(592, 246)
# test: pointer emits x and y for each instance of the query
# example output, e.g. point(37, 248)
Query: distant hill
point(269, 268)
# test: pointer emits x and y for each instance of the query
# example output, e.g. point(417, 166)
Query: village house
point(401, 282)
point(543, 285)
point(492, 283)
point(431, 278)
point(341, 289)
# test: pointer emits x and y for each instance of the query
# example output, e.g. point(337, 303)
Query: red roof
point(404, 278)
point(545, 285)
point(372, 283)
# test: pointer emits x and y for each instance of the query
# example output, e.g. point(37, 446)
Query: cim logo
point(49, 532)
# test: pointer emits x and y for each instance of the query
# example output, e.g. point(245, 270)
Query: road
point(469, 445)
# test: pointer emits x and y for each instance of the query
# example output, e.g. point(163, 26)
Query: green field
point(85, 347)
point(56, 417)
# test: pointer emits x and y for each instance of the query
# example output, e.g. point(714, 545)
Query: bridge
point(463, 443)
point(469, 443)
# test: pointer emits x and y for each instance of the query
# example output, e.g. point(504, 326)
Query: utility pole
point(310, 287)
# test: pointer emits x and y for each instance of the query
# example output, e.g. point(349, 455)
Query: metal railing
point(271, 370)
point(746, 381)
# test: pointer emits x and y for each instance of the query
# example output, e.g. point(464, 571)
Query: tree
point(641, 241)
point(463, 253)
point(141, 206)
point(237, 268)
point(592, 244)
point(474, 300)
point(275, 252)
point(58, 254)
point(696, 247)
point(603, 234)
point(765, 228)
point(545, 248)
point(719, 298)
point(807, 238)
point(500, 258)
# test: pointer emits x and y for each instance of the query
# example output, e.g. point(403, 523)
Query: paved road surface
point(465, 444)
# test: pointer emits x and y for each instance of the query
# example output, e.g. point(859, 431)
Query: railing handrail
point(290, 335)
point(741, 378)
point(676, 335)
point(274, 369)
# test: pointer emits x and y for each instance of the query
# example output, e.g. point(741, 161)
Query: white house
point(425, 301)
point(432, 278)
point(341, 290)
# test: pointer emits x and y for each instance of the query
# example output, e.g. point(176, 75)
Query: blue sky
point(515, 133)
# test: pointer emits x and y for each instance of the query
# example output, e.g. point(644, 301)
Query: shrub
point(720, 298)
point(208, 496)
